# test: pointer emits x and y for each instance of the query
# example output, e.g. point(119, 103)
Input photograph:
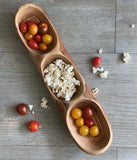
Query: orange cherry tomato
point(47, 39)
point(28, 36)
point(33, 29)
point(76, 113)
point(84, 130)
point(94, 131)
point(80, 122)
point(43, 46)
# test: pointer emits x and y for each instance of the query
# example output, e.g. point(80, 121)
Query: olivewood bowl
point(83, 96)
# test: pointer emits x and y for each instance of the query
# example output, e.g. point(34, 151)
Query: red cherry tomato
point(96, 61)
point(43, 28)
point(23, 27)
point(38, 38)
point(33, 126)
point(22, 109)
point(29, 23)
point(33, 44)
point(87, 112)
point(88, 122)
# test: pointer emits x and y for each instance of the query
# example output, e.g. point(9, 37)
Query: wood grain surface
point(84, 26)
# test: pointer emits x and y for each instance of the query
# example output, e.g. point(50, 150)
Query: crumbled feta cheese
point(100, 69)
point(104, 74)
point(95, 90)
point(30, 107)
point(61, 78)
point(44, 102)
point(126, 57)
point(100, 50)
point(132, 25)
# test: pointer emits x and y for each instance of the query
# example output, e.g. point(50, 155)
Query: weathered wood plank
point(126, 38)
point(50, 152)
point(83, 26)
point(127, 154)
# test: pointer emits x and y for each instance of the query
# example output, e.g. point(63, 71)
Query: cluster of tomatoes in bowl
point(36, 34)
point(83, 120)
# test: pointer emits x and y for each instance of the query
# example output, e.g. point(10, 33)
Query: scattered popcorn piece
point(100, 50)
point(32, 112)
point(44, 102)
point(30, 107)
point(126, 57)
point(40, 126)
point(132, 25)
point(104, 74)
point(95, 90)
point(100, 69)
point(60, 76)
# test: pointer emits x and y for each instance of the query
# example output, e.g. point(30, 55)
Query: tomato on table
point(76, 113)
point(96, 61)
point(47, 39)
point(43, 28)
point(94, 131)
point(84, 130)
point(33, 44)
point(23, 27)
point(33, 29)
point(80, 122)
point(87, 112)
point(22, 109)
point(28, 36)
point(33, 126)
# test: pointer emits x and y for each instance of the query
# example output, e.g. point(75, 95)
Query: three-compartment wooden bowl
point(83, 96)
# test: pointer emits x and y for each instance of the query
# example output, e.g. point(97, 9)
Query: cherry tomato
point(84, 130)
point(87, 112)
point(80, 122)
point(43, 46)
point(47, 39)
point(94, 131)
point(33, 44)
point(76, 113)
point(38, 38)
point(96, 61)
point(88, 122)
point(23, 27)
point(43, 28)
point(29, 23)
point(22, 109)
point(33, 29)
point(33, 126)
point(28, 36)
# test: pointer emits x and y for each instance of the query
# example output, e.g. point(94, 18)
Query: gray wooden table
point(84, 26)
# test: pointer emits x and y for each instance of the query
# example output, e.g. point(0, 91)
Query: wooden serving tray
point(82, 97)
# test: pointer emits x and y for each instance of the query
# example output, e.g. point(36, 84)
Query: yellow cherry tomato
point(94, 131)
point(76, 113)
point(43, 46)
point(33, 29)
point(28, 36)
point(84, 130)
point(47, 39)
point(80, 122)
